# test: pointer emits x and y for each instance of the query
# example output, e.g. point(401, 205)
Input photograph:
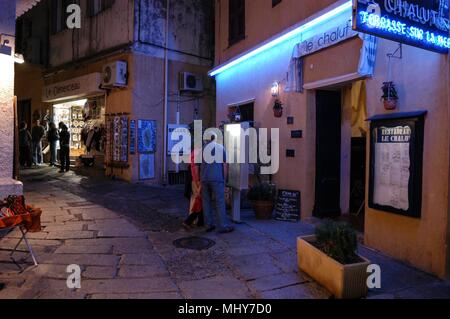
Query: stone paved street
point(122, 237)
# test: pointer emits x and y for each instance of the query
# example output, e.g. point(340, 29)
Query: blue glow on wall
point(283, 38)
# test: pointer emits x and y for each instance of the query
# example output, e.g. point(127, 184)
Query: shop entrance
point(328, 154)
point(87, 126)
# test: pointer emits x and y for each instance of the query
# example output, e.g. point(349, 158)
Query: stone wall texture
point(7, 26)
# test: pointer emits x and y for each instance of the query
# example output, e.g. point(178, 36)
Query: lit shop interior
point(86, 122)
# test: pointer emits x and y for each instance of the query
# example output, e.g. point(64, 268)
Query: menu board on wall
point(396, 163)
point(392, 164)
point(117, 140)
point(288, 206)
point(133, 137)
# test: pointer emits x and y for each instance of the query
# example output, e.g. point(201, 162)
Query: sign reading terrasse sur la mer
point(421, 23)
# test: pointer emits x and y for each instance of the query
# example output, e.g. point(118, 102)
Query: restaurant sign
point(72, 89)
point(421, 23)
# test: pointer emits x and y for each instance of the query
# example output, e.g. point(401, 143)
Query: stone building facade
point(131, 31)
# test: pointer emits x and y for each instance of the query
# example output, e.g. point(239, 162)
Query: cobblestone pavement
point(122, 236)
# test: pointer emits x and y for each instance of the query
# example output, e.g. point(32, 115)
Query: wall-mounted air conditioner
point(191, 82)
point(115, 75)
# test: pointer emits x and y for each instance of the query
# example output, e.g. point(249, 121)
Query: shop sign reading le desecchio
point(420, 23)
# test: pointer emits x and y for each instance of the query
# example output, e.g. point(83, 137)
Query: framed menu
point(396, 163)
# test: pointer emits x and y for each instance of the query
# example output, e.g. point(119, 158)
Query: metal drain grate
point(194, 243)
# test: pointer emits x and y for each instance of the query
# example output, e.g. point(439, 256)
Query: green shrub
point(262, 192)
point(338, 240)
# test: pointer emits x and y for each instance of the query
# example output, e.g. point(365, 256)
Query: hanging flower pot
point(390, 96)
point(278, 109)
point(390, 104)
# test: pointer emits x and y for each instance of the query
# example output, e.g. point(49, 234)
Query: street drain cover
point(194, 243)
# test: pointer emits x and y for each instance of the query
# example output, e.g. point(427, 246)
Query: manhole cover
point(194, 243)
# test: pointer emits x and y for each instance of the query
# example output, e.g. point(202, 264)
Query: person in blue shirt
point(213, 176)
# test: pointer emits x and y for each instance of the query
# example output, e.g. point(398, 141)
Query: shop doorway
point(328, 154)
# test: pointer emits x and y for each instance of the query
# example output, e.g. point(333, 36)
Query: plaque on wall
point(146, 166)
point(146, 136)
point(288, 206)
point(396, 163)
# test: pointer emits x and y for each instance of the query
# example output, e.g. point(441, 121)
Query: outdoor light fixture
point(5, 49)
point(289, 35)
point(18, 58)
point(275, 89)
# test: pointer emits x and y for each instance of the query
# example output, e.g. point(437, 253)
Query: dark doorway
point(24, 112)
point(328, 154)
point(358, 182)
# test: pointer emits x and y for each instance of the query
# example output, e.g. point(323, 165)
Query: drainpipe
point(166, 94)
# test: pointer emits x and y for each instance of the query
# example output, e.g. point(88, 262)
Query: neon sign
point(421, 23)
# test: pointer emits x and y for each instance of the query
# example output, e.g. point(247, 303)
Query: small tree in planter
point(330, 258)
point(390, 95)
point(262, 197)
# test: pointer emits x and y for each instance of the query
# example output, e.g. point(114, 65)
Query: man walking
point(64, 152)
point(37, 133)
point(213, 172)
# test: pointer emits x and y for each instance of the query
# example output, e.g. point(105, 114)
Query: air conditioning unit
point(115, 75)
point(190, 82)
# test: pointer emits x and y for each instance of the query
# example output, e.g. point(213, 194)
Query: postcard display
point(396, 163)
point(117, 140)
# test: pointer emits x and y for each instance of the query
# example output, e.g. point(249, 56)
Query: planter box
point(343, 281)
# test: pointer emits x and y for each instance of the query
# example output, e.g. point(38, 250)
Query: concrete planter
point(343, 281)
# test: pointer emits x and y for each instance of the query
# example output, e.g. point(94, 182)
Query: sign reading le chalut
point(421, 23)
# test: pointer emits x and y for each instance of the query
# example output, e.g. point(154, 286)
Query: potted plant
point(330, 258)
point(262, 197)
point(278, 108)
point(390, 96)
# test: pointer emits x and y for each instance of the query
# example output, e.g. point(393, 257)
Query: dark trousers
point(25, 156)
point(64, 158)
point(195, 217)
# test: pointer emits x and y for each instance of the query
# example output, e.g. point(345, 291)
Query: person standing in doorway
point(213, 172)
point(37, 133)
point(24, 145)
point(53, 138)
point(64, 152)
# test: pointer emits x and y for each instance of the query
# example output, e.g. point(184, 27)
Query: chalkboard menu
point(288, 206)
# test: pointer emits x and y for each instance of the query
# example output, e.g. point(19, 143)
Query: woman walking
point(53, 138)
point(194, 191)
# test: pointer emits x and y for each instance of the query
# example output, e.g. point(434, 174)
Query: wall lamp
point(275, 90)
point(6, 49)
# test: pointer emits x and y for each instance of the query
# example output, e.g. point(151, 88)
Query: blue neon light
point(287, 36)
point(392, 26)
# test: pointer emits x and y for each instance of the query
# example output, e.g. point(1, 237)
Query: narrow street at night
point(122, 237)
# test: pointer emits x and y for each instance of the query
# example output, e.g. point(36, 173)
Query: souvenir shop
point(85, 117)
point(86, 122)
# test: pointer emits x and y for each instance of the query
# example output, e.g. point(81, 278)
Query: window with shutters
point(59, 15)
point(98, 6)
point(236, 21)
